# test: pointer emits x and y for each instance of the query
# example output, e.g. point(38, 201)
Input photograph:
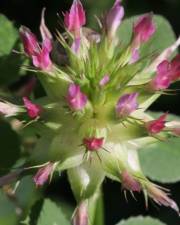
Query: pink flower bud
point(93, 144)
point(143, 29)
point(42, 59)
point(163, 78)
point(43, 174)
point(113, 18)
point(175, 68)
point(127, 104)
point(75, 98)
point(30, 43)
point(129, 182)
point(75, 19)
point(81, 214)
point(33, 110)
point(104, 80)
point(40, 54)
point(161, 198)
point(156, 126)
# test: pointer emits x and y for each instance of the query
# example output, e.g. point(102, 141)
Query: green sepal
point(86, 179)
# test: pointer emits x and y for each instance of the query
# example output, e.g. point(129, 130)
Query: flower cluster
point(93, 106)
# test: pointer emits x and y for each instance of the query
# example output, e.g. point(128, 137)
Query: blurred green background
point(28, 13)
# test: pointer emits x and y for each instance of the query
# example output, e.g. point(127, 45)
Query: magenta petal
point(81, 13)
point(162, 79)
point(104, 80)
point(156, 126)
point(40, 54)
point(33, 110)
point(93, 144)
point(80, 217)
point(42, 59)
point(75, 19)
point(129, 182)
point(29, 40)
point(42, 175)
point(114, 17)
point(175, 66)
point(75, 98)
point(144, 28)
point(127, 104)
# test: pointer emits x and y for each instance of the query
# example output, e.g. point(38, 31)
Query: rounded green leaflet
point(10, 64)
point(8, 215)
point(51, 214)
point(161, 161)
point(141, 221)
point(8, 34)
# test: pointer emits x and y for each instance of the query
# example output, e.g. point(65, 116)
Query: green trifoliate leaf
point(10, 149)
point(51, 214)
point(26, 193)
point(8, 34)
point(161, 161)
point(10, 63)
point(11, 66)
point(141, 221)
point(8, 211)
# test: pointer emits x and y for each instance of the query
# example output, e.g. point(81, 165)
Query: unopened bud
point(81, 214)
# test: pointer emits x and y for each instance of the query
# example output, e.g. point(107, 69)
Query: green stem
point(96, 209)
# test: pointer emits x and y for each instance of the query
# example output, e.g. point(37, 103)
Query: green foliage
point(8, 34)
point(10, 64)
point(8, 213)
point(26, 193)
point(51, 214)
point(10, 150)
point(140, 221)
point(161, 161)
